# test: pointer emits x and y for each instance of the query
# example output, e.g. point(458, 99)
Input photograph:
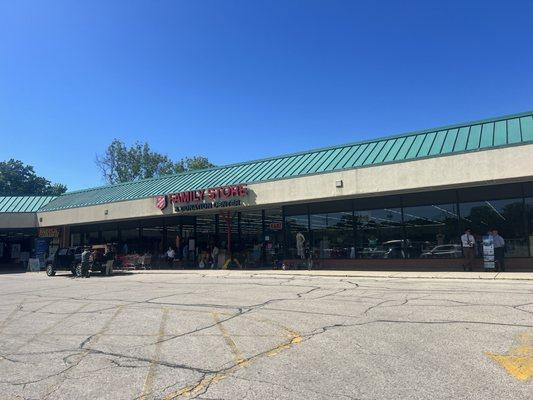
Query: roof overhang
point(499, 165)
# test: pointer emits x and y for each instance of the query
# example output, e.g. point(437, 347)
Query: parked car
point(390, 249)
point(64, 259)
point(69, 259)
point(444, 251)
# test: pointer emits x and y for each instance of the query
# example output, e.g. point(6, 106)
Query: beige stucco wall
point(18, 220)
point(478, 168)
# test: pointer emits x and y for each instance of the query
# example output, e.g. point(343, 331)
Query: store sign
point(161, 202)
point(275, 226)
point(212, 194)
point(219, 197)
point(48, 232)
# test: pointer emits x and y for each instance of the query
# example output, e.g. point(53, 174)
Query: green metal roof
point(467, 137)
point(21, 204)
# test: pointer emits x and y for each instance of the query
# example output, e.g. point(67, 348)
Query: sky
point(240, 80)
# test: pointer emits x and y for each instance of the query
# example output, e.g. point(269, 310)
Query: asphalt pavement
point(268, 335)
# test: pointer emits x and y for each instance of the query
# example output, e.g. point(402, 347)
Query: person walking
point(85, 262)
point(468, 243)
point(499, 250)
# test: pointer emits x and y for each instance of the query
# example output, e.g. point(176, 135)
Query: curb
point(486, 276)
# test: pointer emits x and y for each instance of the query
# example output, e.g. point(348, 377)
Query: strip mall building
point(400, 201)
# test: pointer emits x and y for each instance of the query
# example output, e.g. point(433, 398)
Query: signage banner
point(275, 226)
point(203, 199)
point(41, 249)
point(48, 232)
point(488, 252)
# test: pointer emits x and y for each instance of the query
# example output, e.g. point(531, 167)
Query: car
point(64, 259)
point(69, 259)
point(444, 251)
point(390, 249)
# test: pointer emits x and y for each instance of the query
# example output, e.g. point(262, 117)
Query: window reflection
point(380, 234)
point(332, 235)
point(251, 237)
point(296, 224)
point(433, 231)
point(504, 215)
point(529, 219)
point(273, 244)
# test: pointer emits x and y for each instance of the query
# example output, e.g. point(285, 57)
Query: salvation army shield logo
point(161, 202)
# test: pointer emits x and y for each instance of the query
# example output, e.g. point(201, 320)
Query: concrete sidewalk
point(355, 274)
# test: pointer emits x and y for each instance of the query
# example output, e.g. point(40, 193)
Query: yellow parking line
point(47, 329)
point(237, 355)
point(518, 362)
point(150, 377)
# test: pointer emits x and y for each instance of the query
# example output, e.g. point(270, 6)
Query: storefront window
point(75, 239)
point(504, 215)
point(229, 222)
point(110, 236)
point(173, 232)
point(153, 239)
point(332, 235)
point(205, 231)
point(529, 219)
point(297, 225)
point(432, 231)
point(91, 238)
point(273, 240)
point(251, 226)
point(130, 240)
point(380, 234)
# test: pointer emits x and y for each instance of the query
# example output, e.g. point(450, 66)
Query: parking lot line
point(150, 376)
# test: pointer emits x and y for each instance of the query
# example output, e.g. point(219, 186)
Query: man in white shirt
point(499, 250)
point(468, 242)
point(171, 254)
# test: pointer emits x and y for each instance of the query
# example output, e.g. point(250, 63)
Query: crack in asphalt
point(355, 293)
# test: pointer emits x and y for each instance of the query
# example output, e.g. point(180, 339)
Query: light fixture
point(338, 184)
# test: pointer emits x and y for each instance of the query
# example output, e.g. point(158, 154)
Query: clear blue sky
point(239, 80)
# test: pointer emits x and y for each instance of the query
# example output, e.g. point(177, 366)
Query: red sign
point(275, 226)
point(161, 202)
point(212, 194)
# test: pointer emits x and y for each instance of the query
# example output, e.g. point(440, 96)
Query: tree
point(192, 163)
point(17, 179)
point(120, 163)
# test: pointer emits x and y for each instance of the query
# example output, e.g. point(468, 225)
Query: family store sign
point(225, 196)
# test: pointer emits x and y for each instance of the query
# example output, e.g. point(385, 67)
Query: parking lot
point(239, 335)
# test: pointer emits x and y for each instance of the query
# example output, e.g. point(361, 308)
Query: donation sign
point(202, 199)
point(488, 252)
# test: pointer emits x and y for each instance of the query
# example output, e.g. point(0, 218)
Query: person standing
point(499, 250)
point(468, 243)
point(171, 254)
point(300, 242)
point(214, 256)
point(85, 262)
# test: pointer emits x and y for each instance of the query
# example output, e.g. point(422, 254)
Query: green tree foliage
point(18, 179)
point(192, 163)
point(121, 163)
